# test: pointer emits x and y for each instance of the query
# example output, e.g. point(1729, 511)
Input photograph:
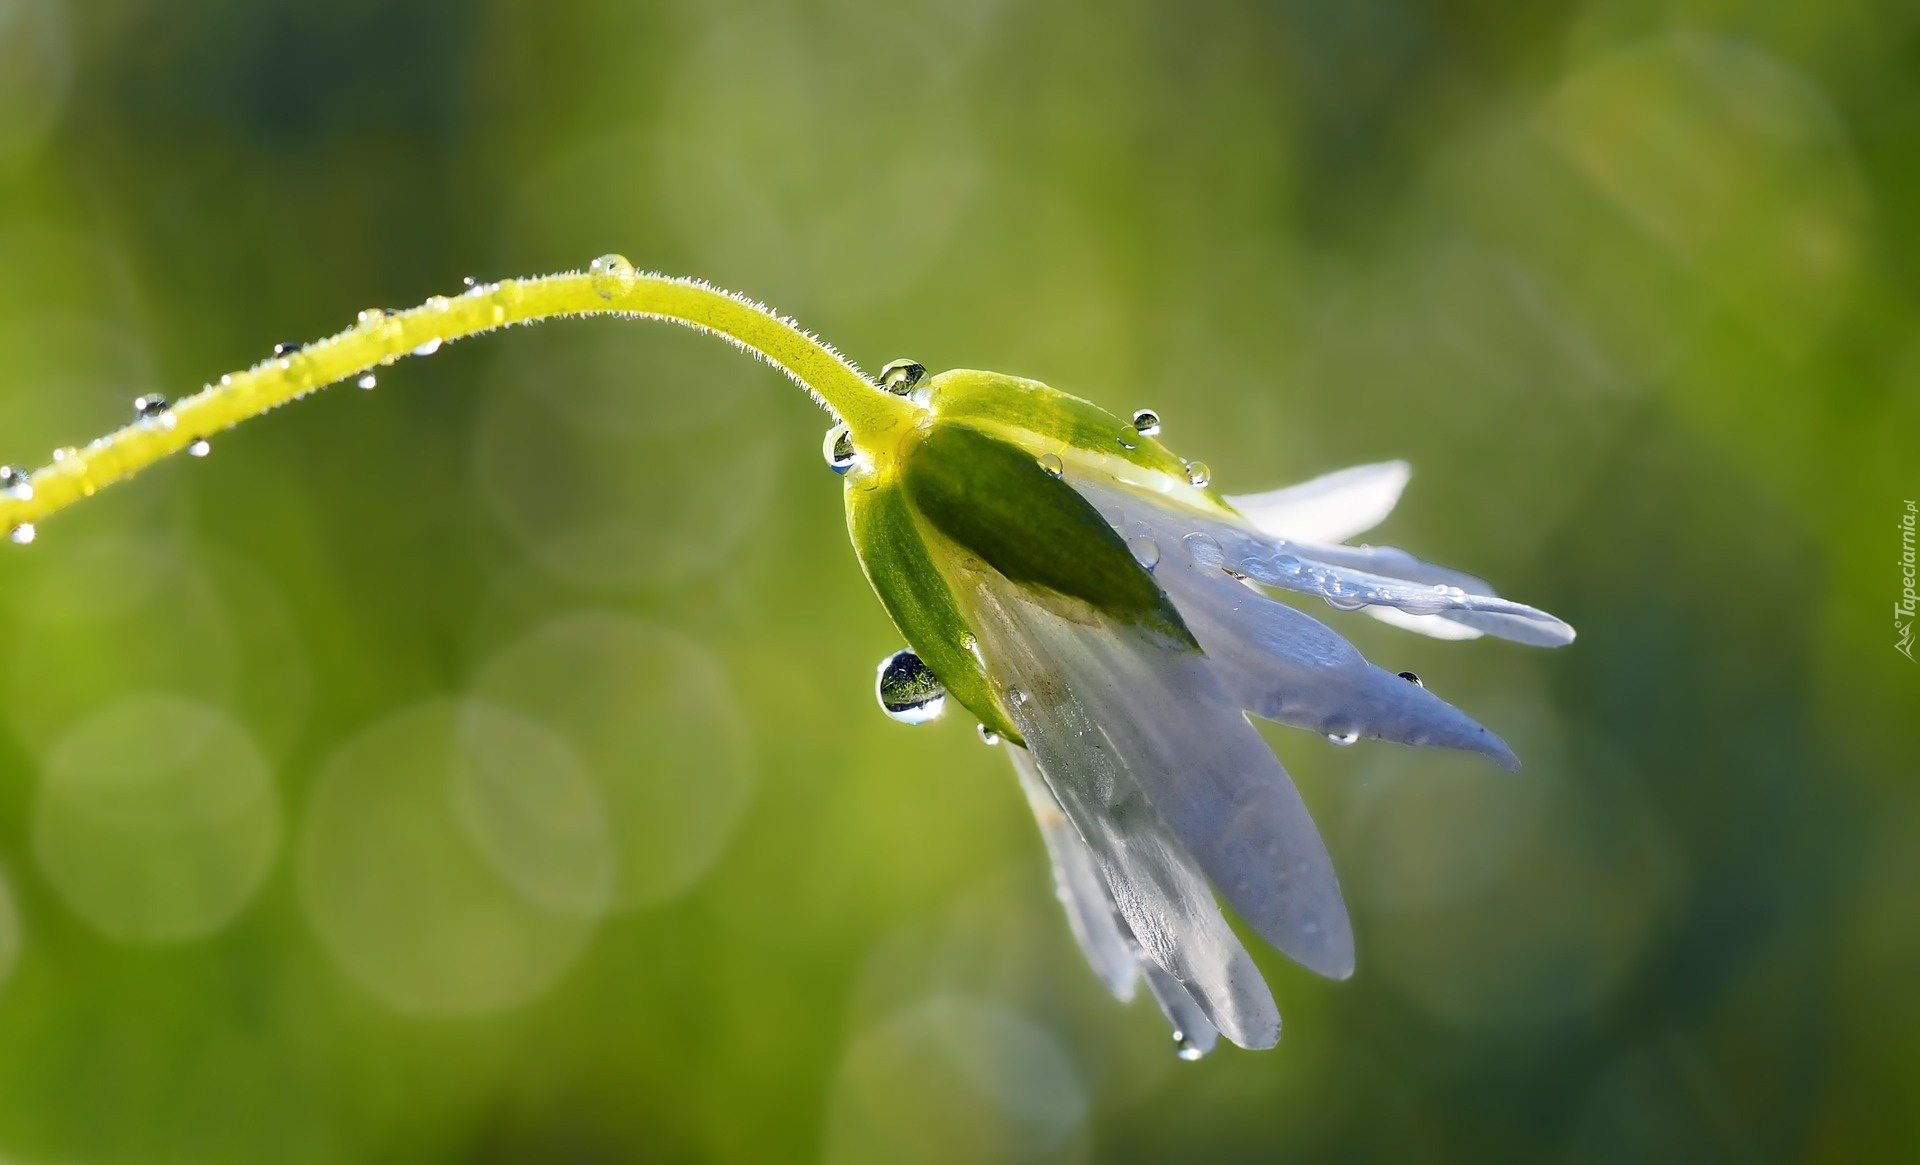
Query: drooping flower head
point(1059, 573)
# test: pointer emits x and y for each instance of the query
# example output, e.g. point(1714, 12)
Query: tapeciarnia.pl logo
point(1903, 611)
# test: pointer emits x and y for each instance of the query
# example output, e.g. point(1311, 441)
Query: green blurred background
point(485, 768)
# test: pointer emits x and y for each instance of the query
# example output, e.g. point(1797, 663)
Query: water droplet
point(150, 405)
point(64, 452)
point(438, 303)
point(22, 534)
point(1145, 551)
point(1052, 464)
point(285, 347)
point(1198, 474)
point(1412, 679)
point(1128, 437)
point(1146, 422)
point(1205, 551)
point(988, 736)
point(372, 315)
point(908, 690)
point(838, 449)
point(610, 273)
point(470, 283)
point(369, 381)
point(199, 448)
point(1185, 1048)
point(428, 348)
point(16, 483)
point(1016, 697)
point(900, 377)
point(1344, 738)
point(1340, 602)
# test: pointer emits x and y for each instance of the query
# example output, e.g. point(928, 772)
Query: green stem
point(609, 287)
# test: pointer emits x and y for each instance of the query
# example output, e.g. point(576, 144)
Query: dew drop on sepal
point(1198, 474)
point(1146, 422)
point(901, 377)
point(199, 448)
point(1129, 438)
point(988, 736)
point(1051, 463)
point(838, 449)
point(908, 690)
point(1412, 679)
point(22, 534)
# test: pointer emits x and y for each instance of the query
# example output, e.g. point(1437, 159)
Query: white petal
point(1339, 574)
point(1192, 1031)
point(1158, 889)
point(1091, 914)
point(1287, 666)
point(1432, 626)
point(1136, 713)
point(1331, 508)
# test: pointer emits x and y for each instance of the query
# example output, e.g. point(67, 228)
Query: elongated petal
point(1330, 508)
point(1160, 712)
point(1192, 1031)
point(1091, 914)
point(1158, 888)
point(1279, 563)
point(1432, 626)
point(1287, 666)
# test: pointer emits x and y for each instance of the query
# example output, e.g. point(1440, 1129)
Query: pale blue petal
point(1330, 508)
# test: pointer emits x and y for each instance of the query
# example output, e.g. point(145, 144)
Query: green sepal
point(1037, 415)
point(899, 562)
point(992, 499)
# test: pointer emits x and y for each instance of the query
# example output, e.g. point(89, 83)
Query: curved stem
point(611, 286)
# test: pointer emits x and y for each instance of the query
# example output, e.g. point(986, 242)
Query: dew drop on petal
point(1198, 474)
point(988, 736)
point(1412, 679)
point(1016, 697)
point(838, 449)
point(22, 534)
point(1145, 551)
point(369, 381)
point(908, 690)
point(199, 448)
point(1146, 422)
point(1344, 738)
point(1205, 551)
point(1052, 464)
point(900, 377)
point(1185, 1048)
point(428, 348)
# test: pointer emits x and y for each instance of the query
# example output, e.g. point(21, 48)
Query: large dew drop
point(1146, 422)
point(908, 690)
point(900, 377)
point(838, 449)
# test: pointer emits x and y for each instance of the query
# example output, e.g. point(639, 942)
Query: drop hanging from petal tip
point(908, 690)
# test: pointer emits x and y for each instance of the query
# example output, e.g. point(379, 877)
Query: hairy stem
point(610, 286)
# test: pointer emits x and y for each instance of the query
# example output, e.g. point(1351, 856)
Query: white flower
point(1087, 596)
